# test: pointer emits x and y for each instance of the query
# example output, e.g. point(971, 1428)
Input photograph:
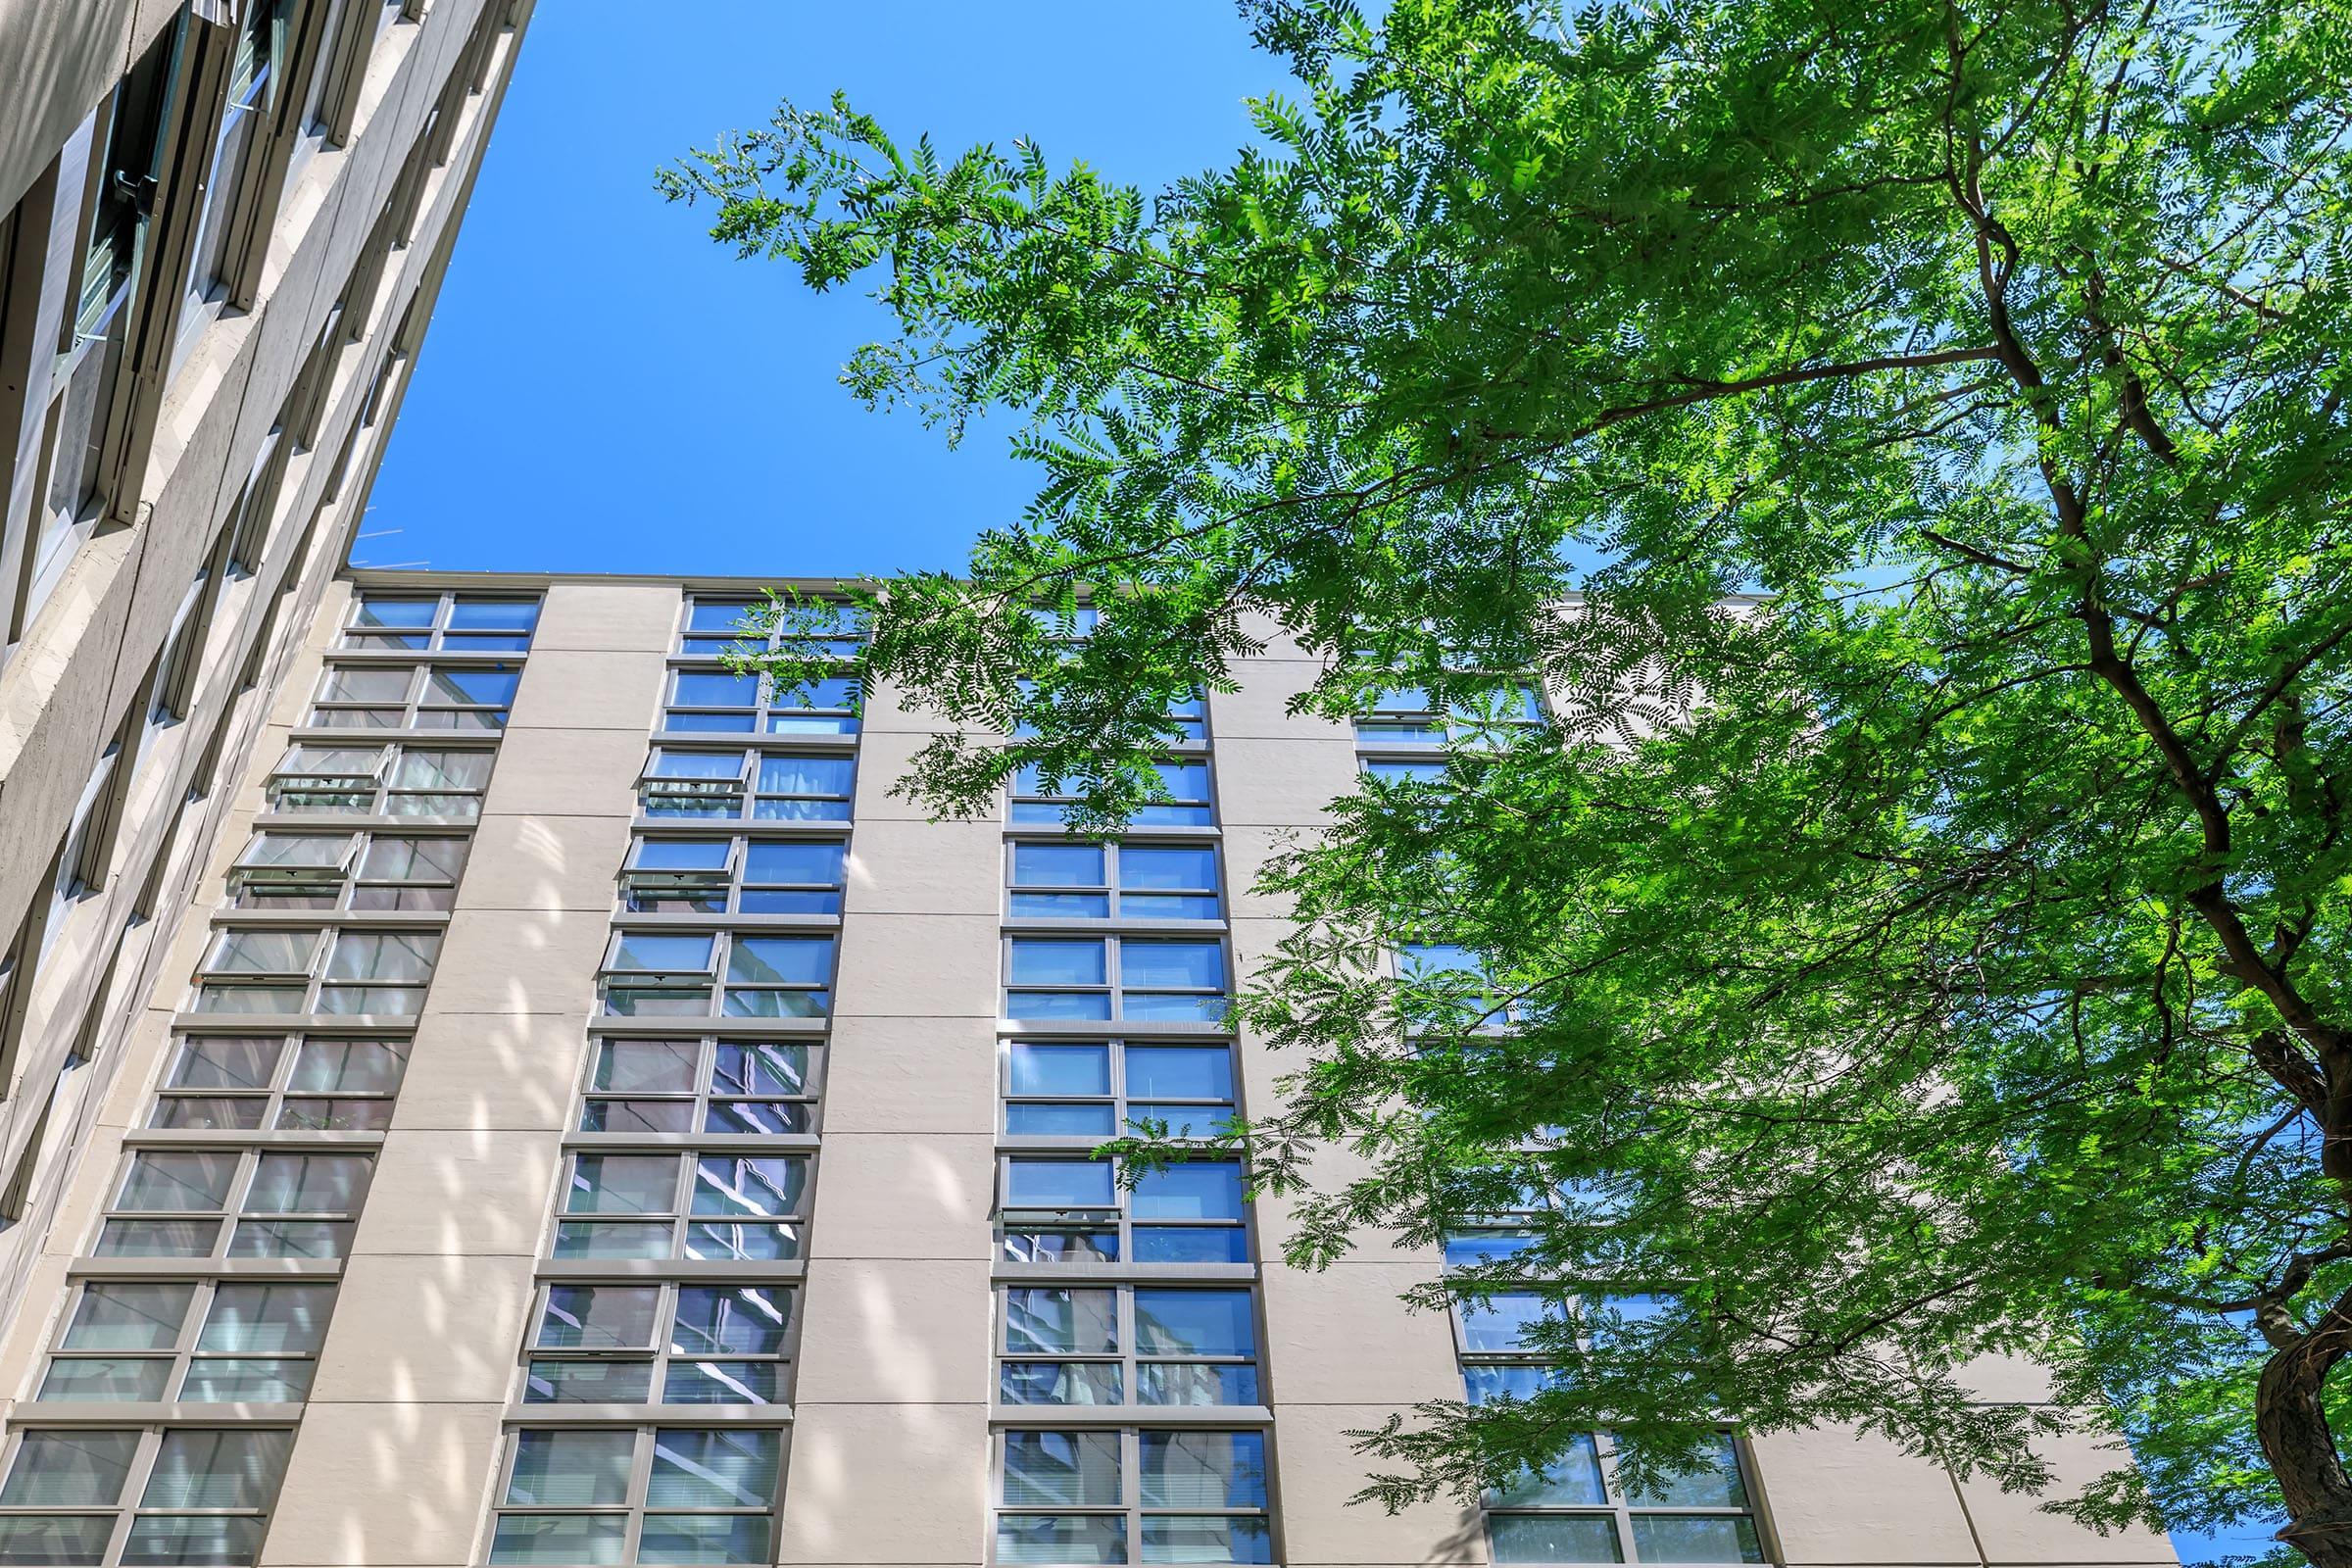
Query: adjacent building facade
point(583, 1117)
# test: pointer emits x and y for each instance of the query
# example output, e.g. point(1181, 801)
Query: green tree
point(1939, 957)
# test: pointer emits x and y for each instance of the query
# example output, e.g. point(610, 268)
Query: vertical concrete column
point(890, 1444)
point(401, 1438)
point(1342, 1352)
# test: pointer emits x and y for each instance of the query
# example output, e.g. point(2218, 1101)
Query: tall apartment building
point(222, 224)
point(583, 1117)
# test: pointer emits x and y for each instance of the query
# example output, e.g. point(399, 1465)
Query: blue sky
point(605, 389)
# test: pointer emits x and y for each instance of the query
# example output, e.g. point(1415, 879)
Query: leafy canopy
point(1942, 959)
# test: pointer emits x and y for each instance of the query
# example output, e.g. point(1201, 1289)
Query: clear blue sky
point(605, 389)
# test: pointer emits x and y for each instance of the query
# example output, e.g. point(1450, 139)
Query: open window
point(293, 871)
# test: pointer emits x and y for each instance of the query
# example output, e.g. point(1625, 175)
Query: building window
point(415, 696)
point(463, 624)
point(700, 1086)
point(1102, 978)
point(733, 876)
point(650, 1495)
point(641, 1342)
point(210, 1342)
point(725, 701)
point(1132, 1496)
point(1575, 1511)
point(1393, 772)
point(1451, 991)
point(1188, 718)
point(310, 1083)
point(128, 1494)
point(1186, 783)
point(380, 781)
point(1410, 716)
point(226, 223)
point(719, 626)
point(231, 1203)
point(1102, 1089)
point(672, 974)
point(1127, 1343)
point(347, 970)
point(283, 870)
point(767, 786)
point(733, 1207)
point(1054, 879)
point(1071, 1209)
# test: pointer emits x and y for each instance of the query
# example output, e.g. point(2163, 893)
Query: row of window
point(235, 1203)
point(399, 780)
point(448, 622)
point(1129, 1496)
point(317, 970)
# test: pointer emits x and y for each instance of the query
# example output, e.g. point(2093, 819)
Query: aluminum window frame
point(1127, 1357)
point(634, 1509)
point(705, 1093)
point(1028, 806)
point(281, 1092)
point(1627, 1515)
point(790, 1228)
point(437, 631)
point(1111, 890)
point(1130, 1508)
point(318, 985)
point(724, 890)
point(420, 707)
point(845, 642)
point(717, 985)
point(236, 1212)
point(187, 1350)
point(1019, 1229)
point(1119, 1100)
point(764, 715)
point(349, 879)
point(129, 1505)
point(1113, 985)
point(739, 798)
point(382, 795)
point(661, 1353)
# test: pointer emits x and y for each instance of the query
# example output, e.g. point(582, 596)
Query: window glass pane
point(494, 615)
point(1158, 867)
point(391, 860)
point(723, 1538)
point(561, 1469)
point(383, 955)
point(1671, 1538)
point(353, 684)
point(296, 848)
point(681, 854)
point(308, 1184)
point(1171, 964)
point(1042, 1069)
point(69, 1468)
point(1043, 1320)
point(1060, 1383)
point(1040, 961)
point(1553, 1538)
point(227, 1062)
point(780, 960)
point(723, 1320)
point(492, 687)
point(1717, 1486)
point(236, 1380)
point(759, 1067)
point(806, 775)
point(599, 1317)
point(588, 1381)
point(1058, 1184)
point(695, 1467)
point(192, 1181)
point(669, 763)
point(657, 952)
point(1570, 1481)
point(216, 1469)
point(782, 860)
point(1501, 1320)
point(270, 1319)
point(1241, 1538)
point(698, 688)
point(1032, 1119)
point(646, 1066)
point(1058, 1539)
point(127, 1315)
point(1194, 1323)
point(717, 614)
point(1204, 1469)
point(558, 1538)
point(374, 610)
point(1066, 1468)
point(351, 1066)
point(261, 951)
point(623, 1183)
point(1207, 1190)
point(1058, 866)
point(741, 1185)
point(442, 770)
point(104, 1380)
point(1178, 1072)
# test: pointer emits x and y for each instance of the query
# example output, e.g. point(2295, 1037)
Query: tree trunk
point(2291, 1421)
